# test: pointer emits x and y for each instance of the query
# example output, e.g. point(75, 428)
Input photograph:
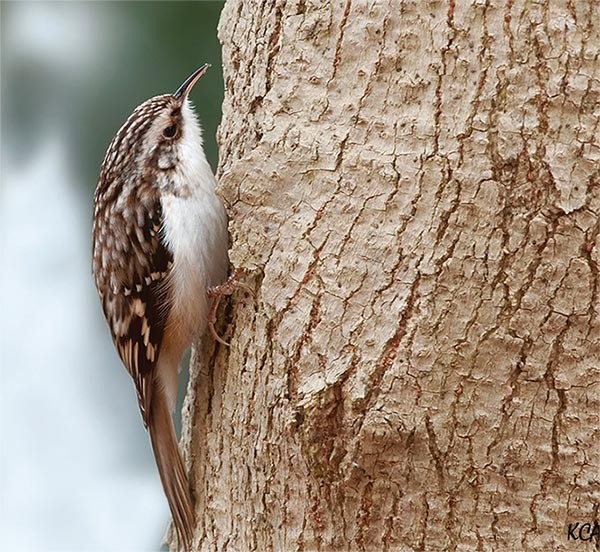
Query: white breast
point(195, 231)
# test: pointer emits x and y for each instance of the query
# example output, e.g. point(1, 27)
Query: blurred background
point(76, 468)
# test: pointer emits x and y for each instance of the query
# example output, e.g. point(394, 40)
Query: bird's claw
point(228, 287)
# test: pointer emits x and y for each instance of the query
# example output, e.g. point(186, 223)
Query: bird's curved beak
point(187, 86)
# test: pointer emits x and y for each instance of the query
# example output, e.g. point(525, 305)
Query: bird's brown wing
point(131, 286)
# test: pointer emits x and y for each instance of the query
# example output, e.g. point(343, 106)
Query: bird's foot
point(230, 286)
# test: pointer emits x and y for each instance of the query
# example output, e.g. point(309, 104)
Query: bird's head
point(159, 134)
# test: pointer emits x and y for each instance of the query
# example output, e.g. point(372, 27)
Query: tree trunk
point(413, 189)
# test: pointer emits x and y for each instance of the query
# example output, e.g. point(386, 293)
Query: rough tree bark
point(414, 190)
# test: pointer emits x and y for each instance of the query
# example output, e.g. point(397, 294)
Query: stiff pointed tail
point(170, 467)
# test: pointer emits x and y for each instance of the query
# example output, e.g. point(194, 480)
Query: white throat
point(195, 229)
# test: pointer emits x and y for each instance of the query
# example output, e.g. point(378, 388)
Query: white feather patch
point(195, 230)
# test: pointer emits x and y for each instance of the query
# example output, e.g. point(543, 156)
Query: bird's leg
point(217, 292)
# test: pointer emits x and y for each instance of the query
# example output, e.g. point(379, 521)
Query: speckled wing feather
point(132, 290)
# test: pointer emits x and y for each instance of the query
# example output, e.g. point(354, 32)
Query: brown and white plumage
point(159, 241)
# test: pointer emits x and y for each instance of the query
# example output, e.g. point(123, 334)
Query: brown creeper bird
point(159, 241)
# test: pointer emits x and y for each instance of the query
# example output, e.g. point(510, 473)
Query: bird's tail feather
point(170, 466)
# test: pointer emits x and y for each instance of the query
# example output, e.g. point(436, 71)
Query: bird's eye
point(170, 131)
